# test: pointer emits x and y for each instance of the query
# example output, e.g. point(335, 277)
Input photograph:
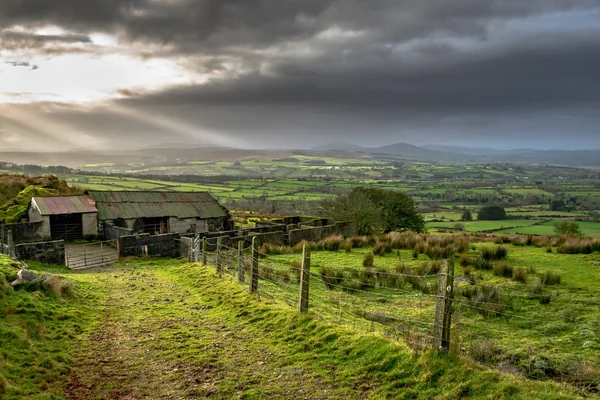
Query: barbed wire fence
point(423, 310)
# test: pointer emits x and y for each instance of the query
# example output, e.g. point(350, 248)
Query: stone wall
point(154, 246)
point(112, 232)
point(46, 252)
point(28, 232)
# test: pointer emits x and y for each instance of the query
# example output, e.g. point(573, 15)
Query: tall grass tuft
point(551, 278)
point(503, 269)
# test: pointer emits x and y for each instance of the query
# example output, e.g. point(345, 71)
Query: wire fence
point(500, 327)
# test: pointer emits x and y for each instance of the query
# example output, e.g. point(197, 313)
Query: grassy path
point(158, 337)
point(167, 330)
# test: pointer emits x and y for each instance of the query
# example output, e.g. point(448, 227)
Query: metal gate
point(91, 255)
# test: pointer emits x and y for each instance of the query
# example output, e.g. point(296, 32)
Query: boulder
point(24, 275)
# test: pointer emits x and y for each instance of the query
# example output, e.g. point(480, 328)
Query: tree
point(375, 210)
point(491, 213)
point(466, 216)
point(568, 228)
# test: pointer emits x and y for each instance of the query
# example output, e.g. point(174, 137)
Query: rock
point(24, 275)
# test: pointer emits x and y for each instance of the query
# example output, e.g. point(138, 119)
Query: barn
point(161, 212)
point(64, 217)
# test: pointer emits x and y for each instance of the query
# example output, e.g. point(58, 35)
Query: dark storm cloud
point(334, 65)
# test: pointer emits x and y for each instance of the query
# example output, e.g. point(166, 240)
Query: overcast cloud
point(297, 73)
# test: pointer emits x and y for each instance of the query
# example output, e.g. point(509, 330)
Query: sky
point(111, 74)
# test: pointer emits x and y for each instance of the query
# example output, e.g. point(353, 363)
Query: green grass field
point(164, 329)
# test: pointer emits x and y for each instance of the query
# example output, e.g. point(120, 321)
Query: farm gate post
point(218, 253)
point(240, 257)
point(204, 255)
point(443, 307)
point(254, 269)
point(304, 280)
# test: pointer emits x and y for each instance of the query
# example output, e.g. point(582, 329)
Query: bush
point(491, 213)
point(346, 245)
point(502, 268)
point(332, 243)
point(520, 275)
point(332, 277)
point(551, 278)
point(368, 260)
point(536, 287)
point(459, 227)
point(381, 248)
point(568, 228)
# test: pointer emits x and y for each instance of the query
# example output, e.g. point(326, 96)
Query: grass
point(205, 336)
point(39, 333)
point(170, 330)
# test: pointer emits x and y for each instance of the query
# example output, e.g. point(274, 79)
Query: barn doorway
point(66, 226)
point(155, 226)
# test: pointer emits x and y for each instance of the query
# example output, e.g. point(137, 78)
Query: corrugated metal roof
point(125, 204)
point(64, 205)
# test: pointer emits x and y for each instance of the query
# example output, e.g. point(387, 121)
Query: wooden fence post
point(196, 243)
point(240, 255)
point(218, 253)
point(204, 255)
point(11, 245)
point(2, 239)
point(304, 280)
point(254, 269)
point(443, 307)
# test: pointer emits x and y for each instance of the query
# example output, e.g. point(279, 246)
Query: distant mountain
point(408, 150)
point(339, 146)
point(476, 151)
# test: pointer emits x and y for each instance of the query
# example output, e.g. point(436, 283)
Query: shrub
point(332, 277)
point(346, 245)
point(359, 241)
point(482, 264)
point(381, 248)
point(551, 278)
point(266, 272)
point(485, 352)
point(502, 268)
point(332, 243)
point(545, 299)
point(520, 275)
point(368, 260)
point(491, 213)
point(283, 275)
point(501, 252)
point(536, 287)
point(459, 227)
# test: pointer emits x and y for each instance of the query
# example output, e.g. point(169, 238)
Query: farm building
point(64, 217)
point(161, 212)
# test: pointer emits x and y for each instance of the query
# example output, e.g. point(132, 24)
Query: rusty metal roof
point(139, 204)
point(64, 205)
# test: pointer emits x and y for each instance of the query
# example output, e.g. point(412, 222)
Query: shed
point(64, 217)
point(161, 212)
